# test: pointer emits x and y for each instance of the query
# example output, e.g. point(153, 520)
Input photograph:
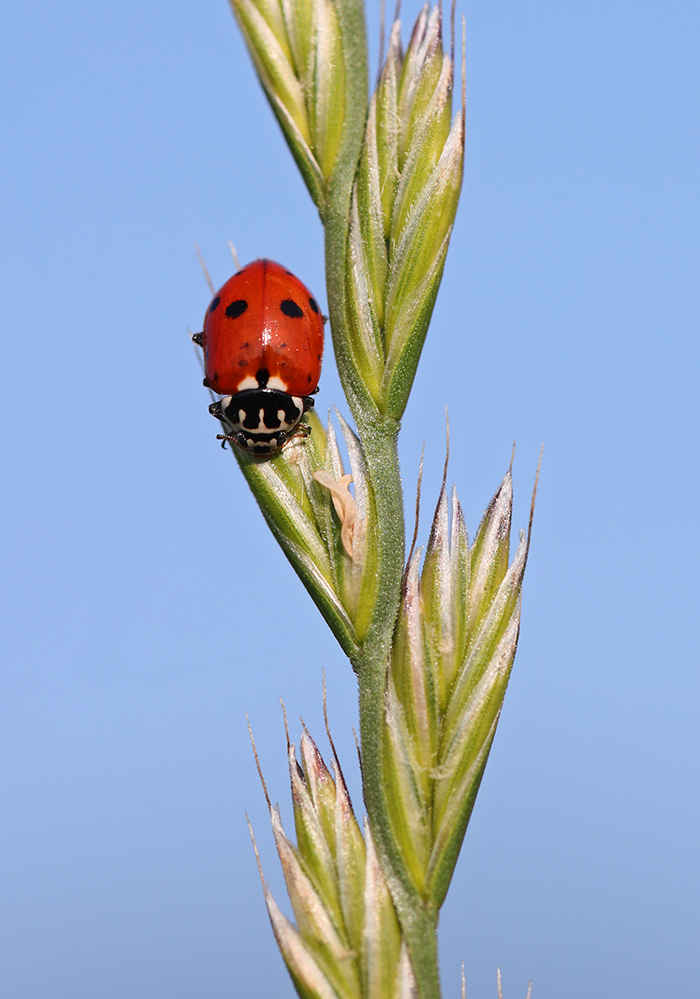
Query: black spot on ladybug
point(243, 363)
point(237, 308)
point(244, 345)
point(263, 377)
point(313, 305)
point(308, 378)
point(216, 376)
point(282, 346)
point(291, 309)
point(214, 303)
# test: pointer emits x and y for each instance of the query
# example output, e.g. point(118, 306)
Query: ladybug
point(263, 349)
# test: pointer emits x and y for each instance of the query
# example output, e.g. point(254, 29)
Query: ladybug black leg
point(198, 338)
point(308, 403)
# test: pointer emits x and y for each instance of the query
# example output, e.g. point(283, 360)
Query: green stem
point(378, 434)
point(418, 920)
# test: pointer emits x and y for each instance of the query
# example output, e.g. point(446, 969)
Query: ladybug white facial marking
point(265, 417)
point(263, 347)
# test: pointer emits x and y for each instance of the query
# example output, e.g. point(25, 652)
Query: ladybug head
point(259, 420)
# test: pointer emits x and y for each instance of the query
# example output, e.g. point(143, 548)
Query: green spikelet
point(346, 941)
point(451, 661)
point(403, 209)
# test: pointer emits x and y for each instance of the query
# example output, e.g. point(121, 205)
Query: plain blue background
point(145, 608)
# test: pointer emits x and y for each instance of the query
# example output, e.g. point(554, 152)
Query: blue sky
point(145, 608)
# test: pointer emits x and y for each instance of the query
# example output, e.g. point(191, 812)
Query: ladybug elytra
point(263, 348)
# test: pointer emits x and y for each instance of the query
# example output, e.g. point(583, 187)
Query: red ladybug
point(263, 348)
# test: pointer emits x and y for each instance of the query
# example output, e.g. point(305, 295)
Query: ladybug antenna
point(234, 255)
point(200, 258)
